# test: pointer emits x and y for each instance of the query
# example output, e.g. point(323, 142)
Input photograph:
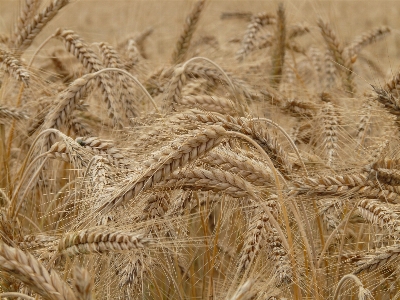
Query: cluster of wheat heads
point(120, 179)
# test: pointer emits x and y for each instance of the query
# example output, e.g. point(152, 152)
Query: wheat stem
point(15, 294)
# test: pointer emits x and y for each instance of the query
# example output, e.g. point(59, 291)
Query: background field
point(278, 178)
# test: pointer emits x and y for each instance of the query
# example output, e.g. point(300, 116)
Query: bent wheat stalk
point(15, 294)
point(363, 292)
point(179, 79)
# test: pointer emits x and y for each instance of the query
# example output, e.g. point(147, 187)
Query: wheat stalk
point(278, 56)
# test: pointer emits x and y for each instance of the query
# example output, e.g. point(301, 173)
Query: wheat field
point(199, 149)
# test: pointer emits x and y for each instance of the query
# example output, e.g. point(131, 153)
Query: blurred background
point(112, 21)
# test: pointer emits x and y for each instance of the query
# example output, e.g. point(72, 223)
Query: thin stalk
point(15, 294)
point(341, 246)
point(28, 155)
point(309, 250)
point(4, 181)
point(38, 49)
point(155, 284)
point(215, 250)
point(203, 224)
point(346, 278)
point(18, 207)
point(25, 175)
point(332, 236)
point(12, 129)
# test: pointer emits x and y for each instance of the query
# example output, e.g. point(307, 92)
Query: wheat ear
point(76, 46)
point(211, 179)
point(67, 101)
point(249, 169)
point(246, 126)
point(13, 66)
point(249, 39)
point(183, 43)
point(365, 118)
point(166, 161)
point(27, 13)
point(330, 124)
point(103, 148)
point(83, 284)
point(16, 294)
point(29, 32)
point(377, 213)
point(335, 47)
point(349, 184)
point(100, 240)
point(261, 234)
point(211, 103)
point(378, 258)
point(8, 113)
point(111, 59)
point(364, 40)
point(31, 272)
